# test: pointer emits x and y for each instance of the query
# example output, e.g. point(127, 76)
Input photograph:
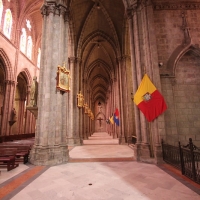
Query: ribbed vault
point(98, 42)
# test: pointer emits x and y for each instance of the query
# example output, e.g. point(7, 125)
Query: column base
point(74, 141)
point(122, 140)
point(49, 155)
point(158, 154)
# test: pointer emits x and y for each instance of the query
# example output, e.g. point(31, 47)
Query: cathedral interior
point(69, 72)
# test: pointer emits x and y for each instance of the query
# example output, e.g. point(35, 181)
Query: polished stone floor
point(84, 178)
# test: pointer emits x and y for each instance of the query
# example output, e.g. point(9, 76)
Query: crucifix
point(100, 121)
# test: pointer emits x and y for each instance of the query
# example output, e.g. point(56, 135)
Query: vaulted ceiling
point(98, 26)
point(98, 37)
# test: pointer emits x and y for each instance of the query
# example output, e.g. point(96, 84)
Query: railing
point(185, 158)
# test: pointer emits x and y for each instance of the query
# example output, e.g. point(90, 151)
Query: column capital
point(10, 82)
point(72, 59)
point(125, 57)
point(53, 7)
point(131, 11)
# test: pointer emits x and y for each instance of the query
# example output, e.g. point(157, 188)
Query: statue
point(34, 93)
point(13, 115)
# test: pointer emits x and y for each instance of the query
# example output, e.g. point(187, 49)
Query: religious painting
point(63, 79)
point(80, 100)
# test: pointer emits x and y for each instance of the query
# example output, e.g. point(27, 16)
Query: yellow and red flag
point(149, 100)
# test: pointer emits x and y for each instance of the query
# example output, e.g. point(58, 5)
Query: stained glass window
point(28, 24)
point(29, 47)
point(7, 23)
point(39, 57)
point(1, 10)
point(23, 41)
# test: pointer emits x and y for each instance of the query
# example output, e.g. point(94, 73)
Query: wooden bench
point(7, 158)
point(22, 152)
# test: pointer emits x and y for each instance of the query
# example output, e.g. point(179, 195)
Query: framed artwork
point(80, 100)
point(63, 79)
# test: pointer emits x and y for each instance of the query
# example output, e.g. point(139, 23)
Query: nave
point(100, 169)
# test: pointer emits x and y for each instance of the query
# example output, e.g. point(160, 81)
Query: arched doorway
point(186, 97)
point(25, 121)
point(2, 91)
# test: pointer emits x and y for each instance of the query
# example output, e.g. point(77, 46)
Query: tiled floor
point(106, 180)
point(88, 180)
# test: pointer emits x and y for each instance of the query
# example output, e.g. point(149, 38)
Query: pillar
point(50, 146)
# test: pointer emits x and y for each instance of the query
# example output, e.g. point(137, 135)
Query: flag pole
point(151, 141)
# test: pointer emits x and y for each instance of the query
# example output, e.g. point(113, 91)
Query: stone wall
point(178, 28)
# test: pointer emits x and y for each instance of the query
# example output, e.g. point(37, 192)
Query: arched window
point(23, 41)
point(29, 47)
point(1, 10)
point(39, 57)
point(7, 23)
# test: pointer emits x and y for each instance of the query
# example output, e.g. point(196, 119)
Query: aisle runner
point(14, 186)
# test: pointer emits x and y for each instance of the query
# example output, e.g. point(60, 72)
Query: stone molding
point(52, 7)
point(137, 6)
point(177, 6)
point(10, 82)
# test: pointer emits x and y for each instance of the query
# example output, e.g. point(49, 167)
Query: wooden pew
point(22, 151)
point(7, 158)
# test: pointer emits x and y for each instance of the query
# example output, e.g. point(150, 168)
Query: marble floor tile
point(110, 185)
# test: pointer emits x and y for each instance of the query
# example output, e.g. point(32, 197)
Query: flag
point(111, 120)
point(116, 117)
point(149, 100)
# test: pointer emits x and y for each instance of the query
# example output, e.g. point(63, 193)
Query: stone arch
point(106, 67)
point(7, 65)
point(27, 75)
point(184, 98)
point(177, 55)
point(25, 12)
point(80, 42)
point(100, 113)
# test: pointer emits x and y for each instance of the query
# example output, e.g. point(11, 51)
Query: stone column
point(28, 114)
point(70, 132)
point(117, 101)
point(114, 96)
point(73, 132)
point(135, 84)
point(145, 147)
point(153, 71)
point(121, 99)
point(50, 146)
point(7, 106)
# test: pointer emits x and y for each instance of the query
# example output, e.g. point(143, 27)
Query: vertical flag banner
point(149, 100)
point(116, 117)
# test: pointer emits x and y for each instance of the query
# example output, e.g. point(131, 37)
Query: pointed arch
point(100, 113)
point(27, 75)
point(116, 40)
point(7, 64)
point(91, 67)
point(177, 55)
